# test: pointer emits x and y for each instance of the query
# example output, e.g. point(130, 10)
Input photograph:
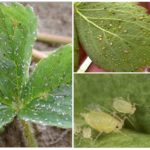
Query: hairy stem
point(28, 135)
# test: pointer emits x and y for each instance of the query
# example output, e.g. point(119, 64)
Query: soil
point(53, 18)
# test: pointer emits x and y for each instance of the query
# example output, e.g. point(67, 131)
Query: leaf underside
point(115, 35)
point(127, 139)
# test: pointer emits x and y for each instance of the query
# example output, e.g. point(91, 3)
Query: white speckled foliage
point(114, 35)
point(45, 96)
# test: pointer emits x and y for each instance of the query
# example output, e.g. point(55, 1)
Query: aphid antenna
point(97, 136)
point(127, 117)
point(128, 98)
point(142, 105)
point(105, 109)
point(123, 134)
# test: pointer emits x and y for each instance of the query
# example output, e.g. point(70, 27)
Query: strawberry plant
point(44, 96)
point(114, 35)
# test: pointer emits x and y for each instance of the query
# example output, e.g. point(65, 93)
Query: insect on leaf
point(115, 35)
point(50, 73)
point(54, 109)
point(47, 95)
point(18, 26)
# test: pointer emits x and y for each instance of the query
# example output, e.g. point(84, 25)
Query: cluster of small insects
point(104, 122)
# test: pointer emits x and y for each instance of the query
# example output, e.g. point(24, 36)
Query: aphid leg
point(98, 135)
point(105, 109)
point(123, 133)
point(125, 117)
point(79, 140)
point(128, 98)
point(116, 116)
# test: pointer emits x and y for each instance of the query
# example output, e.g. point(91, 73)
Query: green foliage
point(115, 35)
point(54, 109)
point(33, 98)
point(100, 90)
point(127, 139)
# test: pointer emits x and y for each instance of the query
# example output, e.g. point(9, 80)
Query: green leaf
point(6, 114)
point(18, 26)
point(42, 103)
point(49, 74)
point(115, 35)
point(53, 109)
point(100, 90)
point(127, 138)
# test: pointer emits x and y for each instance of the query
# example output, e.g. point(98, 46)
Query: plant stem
point(38, 55)
point(48, 38)
point(28, 135)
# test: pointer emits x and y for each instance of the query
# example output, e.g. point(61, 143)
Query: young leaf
point(42, 104)
point(49, 74)
point(17, 32)
point(52, 109)
point(76, 50)
point(115, 35)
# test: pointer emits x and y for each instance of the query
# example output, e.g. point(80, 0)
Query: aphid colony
point(105, 122)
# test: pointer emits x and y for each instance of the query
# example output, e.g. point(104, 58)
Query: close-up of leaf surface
point(44, 96)
point(54, 109)
point(100, 90)
point(18, 26)
point(114, 35)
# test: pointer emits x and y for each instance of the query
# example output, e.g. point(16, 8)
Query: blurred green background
point(100, 90)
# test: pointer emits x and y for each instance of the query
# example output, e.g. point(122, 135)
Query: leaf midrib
point(100, 28)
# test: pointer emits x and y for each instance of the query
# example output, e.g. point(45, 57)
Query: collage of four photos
point(75, 74)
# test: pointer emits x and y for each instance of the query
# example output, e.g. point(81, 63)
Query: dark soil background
point(53, 18)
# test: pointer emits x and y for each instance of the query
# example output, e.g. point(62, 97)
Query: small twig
point(60, 137)
point(85, 65)
point(48, 38)
point(37, 55)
